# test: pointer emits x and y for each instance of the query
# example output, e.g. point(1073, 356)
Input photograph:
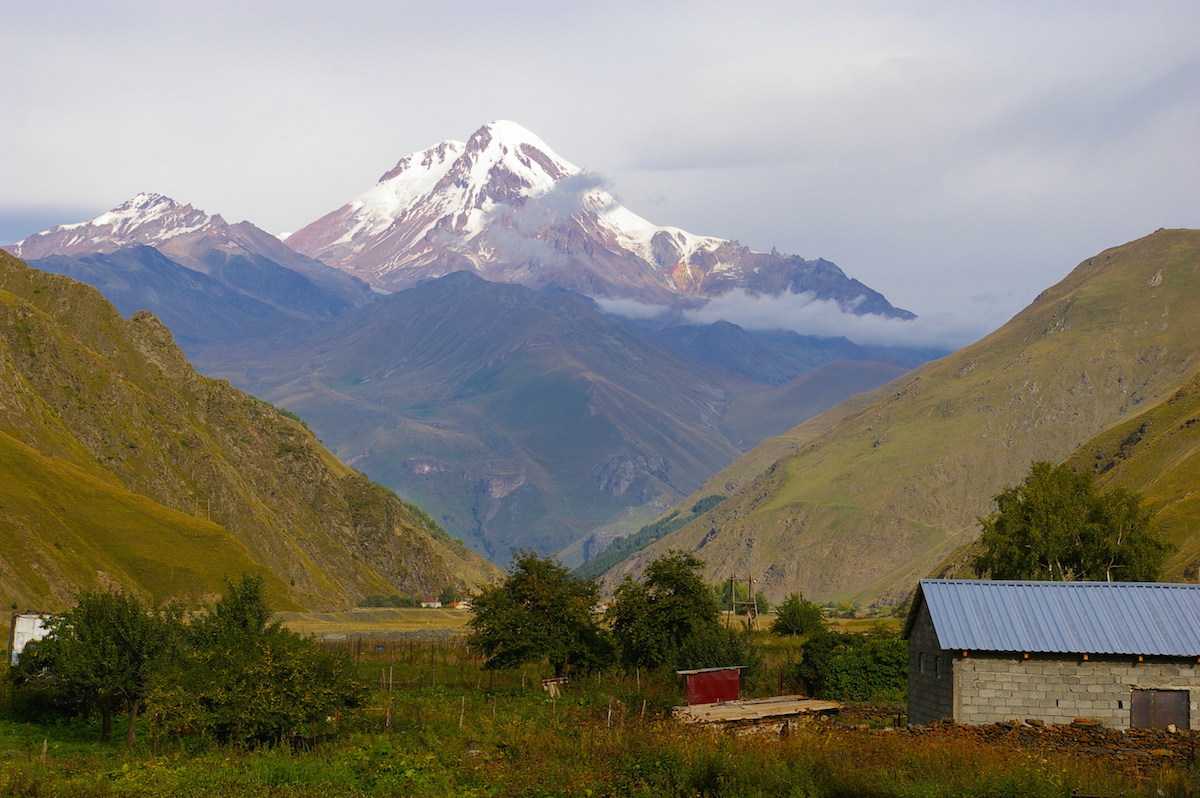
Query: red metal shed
point(713, 685)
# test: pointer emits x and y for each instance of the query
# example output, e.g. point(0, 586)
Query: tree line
point(542, 611)
point(229, 674)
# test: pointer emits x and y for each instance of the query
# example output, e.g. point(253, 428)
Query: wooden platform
point(757, 715)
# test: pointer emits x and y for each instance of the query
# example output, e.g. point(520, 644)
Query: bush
point(855, 667)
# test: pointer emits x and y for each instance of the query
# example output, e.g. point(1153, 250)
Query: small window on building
point(921, 663)
point(937, 667)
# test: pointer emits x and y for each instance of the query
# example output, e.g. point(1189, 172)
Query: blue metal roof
point(1148, 618)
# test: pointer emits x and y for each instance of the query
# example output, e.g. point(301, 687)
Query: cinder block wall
point(930, 673)
point(1058, 689)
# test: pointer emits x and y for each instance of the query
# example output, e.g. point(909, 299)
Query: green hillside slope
point(1157, 453)
point(109, 409)
point(875, 501)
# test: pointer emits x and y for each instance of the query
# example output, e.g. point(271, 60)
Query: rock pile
point(1132, 749)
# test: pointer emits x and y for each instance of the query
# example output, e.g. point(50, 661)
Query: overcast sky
point(959, 157)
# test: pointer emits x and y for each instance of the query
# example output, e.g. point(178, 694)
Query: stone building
point(1122, 653)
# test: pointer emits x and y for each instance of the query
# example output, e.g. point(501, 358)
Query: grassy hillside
point(877, 500)
point(112, 450)
point(1158, 454)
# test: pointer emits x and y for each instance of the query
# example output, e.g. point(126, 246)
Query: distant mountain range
point(510, 407)
point(861, 501)
point(120, 465)
point(211, 282)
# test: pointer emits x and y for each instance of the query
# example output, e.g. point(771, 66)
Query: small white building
point(27, 627)
point(1126, 654)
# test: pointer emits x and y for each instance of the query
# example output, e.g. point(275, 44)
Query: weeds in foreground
point(458, 731)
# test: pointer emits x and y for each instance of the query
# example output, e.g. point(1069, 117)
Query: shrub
point(855, 666)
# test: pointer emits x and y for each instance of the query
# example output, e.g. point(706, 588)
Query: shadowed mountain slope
point(875, 501)
point(518, 418)
point(754, 417)
point(114, 449)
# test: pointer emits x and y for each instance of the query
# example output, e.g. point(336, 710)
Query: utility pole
point(750, 602)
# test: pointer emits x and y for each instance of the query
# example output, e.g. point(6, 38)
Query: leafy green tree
point(104, 652)
point(656, 620)
point(852, 666)
point(1055, 525)
point(538, 611)
point(246, 679)
point(797, 616)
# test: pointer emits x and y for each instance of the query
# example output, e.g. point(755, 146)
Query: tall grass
point(457, 730)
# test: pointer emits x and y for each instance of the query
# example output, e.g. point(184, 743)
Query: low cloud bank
point(631, 308)
point(825, 318)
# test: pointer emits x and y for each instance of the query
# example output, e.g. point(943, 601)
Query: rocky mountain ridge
point(153, 253)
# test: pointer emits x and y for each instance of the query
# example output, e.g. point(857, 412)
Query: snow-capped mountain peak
point(506, 206)
point(148, 218)
point(483, 200)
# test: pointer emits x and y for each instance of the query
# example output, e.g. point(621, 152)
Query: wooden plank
point(761, 709)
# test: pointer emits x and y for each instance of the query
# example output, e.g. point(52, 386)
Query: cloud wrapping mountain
point(506, 207)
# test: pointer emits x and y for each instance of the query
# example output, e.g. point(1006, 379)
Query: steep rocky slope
point(110, 408)
point(875, 501)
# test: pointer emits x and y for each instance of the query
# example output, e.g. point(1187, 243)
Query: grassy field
point(457, 730)
point(376, 622)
